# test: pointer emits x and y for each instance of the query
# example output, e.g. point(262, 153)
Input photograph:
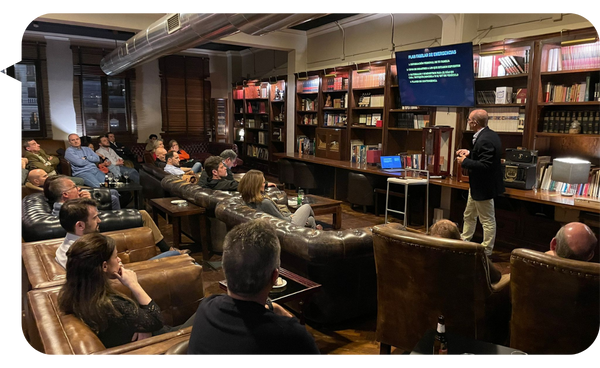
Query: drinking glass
point(126, 176)
point(111, 179)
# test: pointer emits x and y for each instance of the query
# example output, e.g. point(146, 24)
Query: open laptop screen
point(391, 162)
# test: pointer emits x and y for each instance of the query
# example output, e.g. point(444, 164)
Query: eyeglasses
point(70, 189)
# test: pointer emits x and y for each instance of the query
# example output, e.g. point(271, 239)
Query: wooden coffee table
point(297, 288)
point(176, 212)
point(324, 206)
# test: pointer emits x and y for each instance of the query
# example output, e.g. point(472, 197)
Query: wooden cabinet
point(331, 143)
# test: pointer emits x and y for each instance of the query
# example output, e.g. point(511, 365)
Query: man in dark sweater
point(244, 321)
point(217, 175)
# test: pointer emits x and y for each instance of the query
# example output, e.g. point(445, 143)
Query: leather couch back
point(174, 283)
point(38, 223)
point(555, 303)
point(420, 277)
point(150, 178)
point(42, 270)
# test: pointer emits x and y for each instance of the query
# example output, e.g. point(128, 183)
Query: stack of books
point(585, 56)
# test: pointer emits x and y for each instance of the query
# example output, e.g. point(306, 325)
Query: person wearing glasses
point(485, 179)
point(60, 189)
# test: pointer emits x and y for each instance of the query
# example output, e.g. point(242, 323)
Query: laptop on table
point(391, 163)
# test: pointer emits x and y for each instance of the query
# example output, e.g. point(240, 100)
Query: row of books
point(258, 152)
point(338, 102)
point(335, 84)
point(366, 99)
point(305, 145)
point(411, 161)
point(591, 189)
point(585, 56)
point(238, 94)
point(335, 119)
point(256, 107)
point(308, 86)
point(506, 119)
point(502, 95)
point(358, 150)
point(499, 65)
point(368, 80)
point(560, 121)
point(263, 138)
point(369, 119)
point(409, 120)
point(307, 104)
point(256, 92)
point(577, 92)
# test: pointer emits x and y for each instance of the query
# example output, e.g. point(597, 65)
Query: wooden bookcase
point(278, 119)
point(395, 133)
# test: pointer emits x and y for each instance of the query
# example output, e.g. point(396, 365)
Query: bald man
point(575, 241)
point(485, 179)
point(36, 179)
point(161, 157)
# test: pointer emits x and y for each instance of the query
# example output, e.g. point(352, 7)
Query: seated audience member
point(184, 157)
point(150, 142)
point(79, 217)
point(36, 179)
point(240, 322)
point(252, 188)
point(115, 162)
point(59, 189)
point(161, 158)
point(24, 171)
point(87, 293)
point(157, 144)
point(217, 173)
point(39, 159)
point(103, 164)
point(83, 162)
point(129, 157)
point(172, 164)
point(54, 195)
point(575, 241)
point(448, 230)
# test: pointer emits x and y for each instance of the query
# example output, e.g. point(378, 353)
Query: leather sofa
point(39, 224)
point(341, 261)
point(174, 283)
point(208, 199)
point(150, 178)
point(555, 303)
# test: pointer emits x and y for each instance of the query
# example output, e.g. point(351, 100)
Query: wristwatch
point(269, 304)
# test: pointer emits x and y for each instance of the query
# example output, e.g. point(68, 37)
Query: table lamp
point(570, 171)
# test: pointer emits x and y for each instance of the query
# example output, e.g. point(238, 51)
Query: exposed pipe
point(180, 31)
point(343, 40)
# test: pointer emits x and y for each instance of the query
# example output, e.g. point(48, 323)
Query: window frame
point(39, 85)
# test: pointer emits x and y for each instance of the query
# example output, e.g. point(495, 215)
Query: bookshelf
point(308, 104)
point(251, 123)
point(335, 88)
point(278, 119)
point(569, 90)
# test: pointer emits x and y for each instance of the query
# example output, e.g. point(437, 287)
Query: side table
point(408, 181)
point(176, 212)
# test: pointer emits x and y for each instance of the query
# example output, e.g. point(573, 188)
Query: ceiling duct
point(180, 31)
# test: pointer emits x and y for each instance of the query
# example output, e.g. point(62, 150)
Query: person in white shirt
point(172, 166)
point(77, 217)
point(115, 162)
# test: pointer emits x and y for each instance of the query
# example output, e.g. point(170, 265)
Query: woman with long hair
point(117, 319)
point(252, 187)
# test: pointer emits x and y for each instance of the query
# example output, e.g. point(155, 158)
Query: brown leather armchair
point(175, 286)
point(555, 303)
point(421, 277)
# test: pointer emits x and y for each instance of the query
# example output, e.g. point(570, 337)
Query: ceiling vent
point(173, 23)
point(175, 32)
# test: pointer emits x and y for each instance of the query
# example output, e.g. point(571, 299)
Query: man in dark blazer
point(485, 179)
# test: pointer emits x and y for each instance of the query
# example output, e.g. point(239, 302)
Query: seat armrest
point(503, 283)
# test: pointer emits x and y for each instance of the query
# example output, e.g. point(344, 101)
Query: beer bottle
point(106, 181)
point(440, 345)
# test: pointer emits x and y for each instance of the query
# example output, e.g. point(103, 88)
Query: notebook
point(390, 163)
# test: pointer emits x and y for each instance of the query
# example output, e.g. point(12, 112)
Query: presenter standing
point(485, 179)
